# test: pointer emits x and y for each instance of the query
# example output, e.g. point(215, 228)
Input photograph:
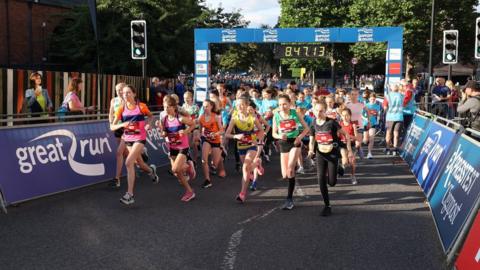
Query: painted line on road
point(231, 253)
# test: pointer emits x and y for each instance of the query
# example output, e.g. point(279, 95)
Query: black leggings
point(326, 163)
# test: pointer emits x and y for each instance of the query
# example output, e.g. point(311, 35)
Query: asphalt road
point(381, 223)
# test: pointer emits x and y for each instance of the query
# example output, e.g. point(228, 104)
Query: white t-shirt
point(357, 109)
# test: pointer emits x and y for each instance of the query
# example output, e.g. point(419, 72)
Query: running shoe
point(394, 152)
point(115, 183)
point(354, 180)
point(301, 170)
point(267, 158)
point(360, 153)
point(241, 197)
point(145, 156)
point(127, 199)
point(369, 156)
point(188, 196)
point(191, 170)
point(153, 174)
point(253, 185)
point(288, 205)
point(213, 170)
point(327, 211)
point(341, 170)
point(312, 162)
point(207, 183)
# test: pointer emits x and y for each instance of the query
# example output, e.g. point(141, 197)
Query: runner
point(324, 145)
point(211, 131)
point(132, 115)
point(266, 127)
point(356, 108)
point(371, 112)
point(393, 105)
point(116, 103)
point(248, 148)
point(175, 128)
point(269, 103)
point(191, 108)
point(285, 128)
point(349, 127)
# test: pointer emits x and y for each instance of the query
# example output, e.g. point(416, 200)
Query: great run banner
point(42, 160)
point(416, 135)
point(457, 190)
point(157, 148)
point(432, 154)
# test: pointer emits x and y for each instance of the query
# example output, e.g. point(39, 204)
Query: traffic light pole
point(430, 69)
point(144, 82)
point(449, 72)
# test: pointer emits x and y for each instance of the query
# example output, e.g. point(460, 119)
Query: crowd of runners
point(324, 132)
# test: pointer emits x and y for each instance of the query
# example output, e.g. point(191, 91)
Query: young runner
point(191, 108)
point(249, 150)
point(349, 127)
point(370, 122)
point(116, 103)
point(132, 115)
point(285, 128)
point(211, 131)
point(175, 128)
point(324, 145)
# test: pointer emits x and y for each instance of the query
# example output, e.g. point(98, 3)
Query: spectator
point(440, 97)
point(72, 101)
point(169, 87)
point(38, 101)
point(453, 100)
point(155, 100)
point(470, 105)
point(180, 88)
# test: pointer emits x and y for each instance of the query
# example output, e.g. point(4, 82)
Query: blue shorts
point(243, 152)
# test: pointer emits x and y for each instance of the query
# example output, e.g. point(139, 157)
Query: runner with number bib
point(371, 114)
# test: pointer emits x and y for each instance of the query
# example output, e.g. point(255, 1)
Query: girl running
point(191, 108)
point(211, 131)
point(269, 103)
point(370, 122)
point(132, 116)
point(175, 128)
point(248, 148)
point(115, 104)
point(285, 128)
point(259, 169)
point(324, 144)
point(350, 128)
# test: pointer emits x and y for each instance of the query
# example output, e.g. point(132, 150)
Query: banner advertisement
point(156, 148)
point(469, 257)
point(457, 190)
point(432, 154)
point(416, 135)
point(38, 161)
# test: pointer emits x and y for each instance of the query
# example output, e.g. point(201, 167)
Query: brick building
point(25, 27)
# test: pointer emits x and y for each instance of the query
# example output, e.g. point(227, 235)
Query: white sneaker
point(354, 180)
point(369, 156)
point(300, 170)
point(312, 162)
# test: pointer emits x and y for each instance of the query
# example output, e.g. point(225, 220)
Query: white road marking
point(231, 253)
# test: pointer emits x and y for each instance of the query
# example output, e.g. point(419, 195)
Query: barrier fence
point(446, 163)
point(46, 159)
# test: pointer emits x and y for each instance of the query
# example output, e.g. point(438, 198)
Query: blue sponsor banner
point(156, 148)
point(38, 161)
point(457, 190)
point(416, 135)
point(431, 156)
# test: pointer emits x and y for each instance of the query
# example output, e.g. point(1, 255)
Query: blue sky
point(258, 12)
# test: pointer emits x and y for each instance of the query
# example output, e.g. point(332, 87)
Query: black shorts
point(118, 133)
point(286, 146)
point(213, 145)
point(176, 152)
point(132, 143)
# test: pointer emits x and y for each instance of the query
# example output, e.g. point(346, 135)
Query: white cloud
point(258, 12)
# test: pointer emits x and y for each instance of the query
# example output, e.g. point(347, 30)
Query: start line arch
point(204, 36)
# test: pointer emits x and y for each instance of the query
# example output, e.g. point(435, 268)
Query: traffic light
point(450, 46)
point(138, 30)
point(477, 38)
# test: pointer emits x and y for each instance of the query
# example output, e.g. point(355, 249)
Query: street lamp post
point(430, 69)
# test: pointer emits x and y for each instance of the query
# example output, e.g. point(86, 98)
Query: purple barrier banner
point(428, 163)
point(415, 138)
point(454, 197)
point(38, 161)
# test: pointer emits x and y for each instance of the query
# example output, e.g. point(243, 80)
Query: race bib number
point(372, 112)
point(287, 126)
point(174, 138)
point(208, 134)
point(246, 140)
point(133, 128)
point(324, 138)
